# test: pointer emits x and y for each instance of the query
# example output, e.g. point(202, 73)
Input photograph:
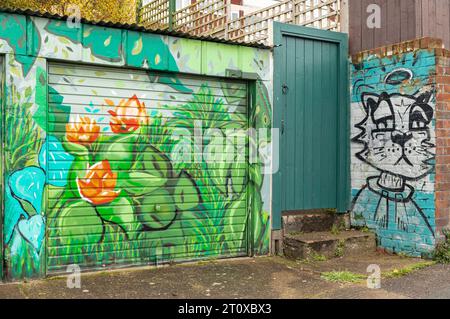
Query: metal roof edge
point(133, 27)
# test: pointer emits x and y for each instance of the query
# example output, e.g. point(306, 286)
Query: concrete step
point(307, 222)
point(328, 245)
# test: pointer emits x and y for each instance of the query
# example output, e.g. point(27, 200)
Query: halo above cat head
point(398, 76)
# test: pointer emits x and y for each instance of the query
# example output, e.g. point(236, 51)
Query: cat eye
point(385, 123)
point(383, 117)
point(419, 118)
point(418, 124)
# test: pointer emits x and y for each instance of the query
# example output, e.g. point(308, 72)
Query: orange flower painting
point(85, 131)
point(97, 187)
point(128, 116)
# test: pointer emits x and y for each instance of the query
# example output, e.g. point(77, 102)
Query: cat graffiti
point(396, 137)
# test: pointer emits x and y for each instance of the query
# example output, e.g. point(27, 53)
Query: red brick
point(442, 69)
point(441, 97)
point(444, 187)
point(441, 205)
point(443, 79)
point(444, 159)
point(442, 222)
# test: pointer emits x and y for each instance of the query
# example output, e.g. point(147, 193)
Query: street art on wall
point(98, 188)
point(394, 151)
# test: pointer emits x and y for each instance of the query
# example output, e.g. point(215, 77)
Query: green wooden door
point(312, 113)
point(310, 110)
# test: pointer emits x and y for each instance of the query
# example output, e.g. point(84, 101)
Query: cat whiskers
point(379, 151)
point(423, 152)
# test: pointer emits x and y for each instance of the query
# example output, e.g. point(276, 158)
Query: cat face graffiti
point(396, 134)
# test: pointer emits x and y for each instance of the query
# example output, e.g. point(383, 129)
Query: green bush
point(442, 251)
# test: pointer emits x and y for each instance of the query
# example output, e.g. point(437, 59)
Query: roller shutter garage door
point(125, 187)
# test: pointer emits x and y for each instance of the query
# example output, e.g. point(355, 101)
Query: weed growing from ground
point(442, 251)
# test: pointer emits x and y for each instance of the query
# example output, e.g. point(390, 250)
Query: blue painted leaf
point(58, 159)
point(13, 212)
point(33, 230)
point(28, 185)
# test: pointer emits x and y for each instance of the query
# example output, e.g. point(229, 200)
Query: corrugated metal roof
point(132, 27)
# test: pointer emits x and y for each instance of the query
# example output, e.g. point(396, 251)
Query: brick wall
point(442, 140)
point(400, 117)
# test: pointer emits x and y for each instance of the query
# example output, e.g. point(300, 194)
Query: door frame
point(281, 30)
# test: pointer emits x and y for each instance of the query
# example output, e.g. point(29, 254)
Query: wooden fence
point(206, 17)
point(155, 15)
point(213, 17)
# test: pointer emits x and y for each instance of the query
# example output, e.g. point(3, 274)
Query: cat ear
point(370, 101)
point(424, 98)
point(423, 108)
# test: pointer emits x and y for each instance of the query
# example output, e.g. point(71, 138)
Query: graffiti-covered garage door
point(144, 168)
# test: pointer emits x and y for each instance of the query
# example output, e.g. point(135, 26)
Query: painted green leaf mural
point(118, 150)
point(40, 115)
point(71, 232)
point(141, 183)
point(157, 211)
point(186, 194)
point(120, 212)
point(155, 161)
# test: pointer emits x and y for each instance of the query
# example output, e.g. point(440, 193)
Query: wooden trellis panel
point(204, 17)
point(321, 14)
point(254, 27)
point(212, 17)
point(155, 15)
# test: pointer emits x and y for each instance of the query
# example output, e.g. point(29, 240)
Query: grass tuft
point(340, 249)
point(335, 230)
point(342, 277)
point(350, 277)
point(396, 273)
point(317, 257)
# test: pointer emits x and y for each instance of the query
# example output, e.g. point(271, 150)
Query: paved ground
point(272, 277)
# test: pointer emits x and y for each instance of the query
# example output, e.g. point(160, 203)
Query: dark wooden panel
point(380, 34)
point(433, 19)
point(368, 35)
point(394, 23)
point(355, 19)
point(401, 20)
point(412, 17)
point(408, 19)
point(425, 17)
point(418, 22)
point(442, 20)
point(432, 22)
point(398, 23)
